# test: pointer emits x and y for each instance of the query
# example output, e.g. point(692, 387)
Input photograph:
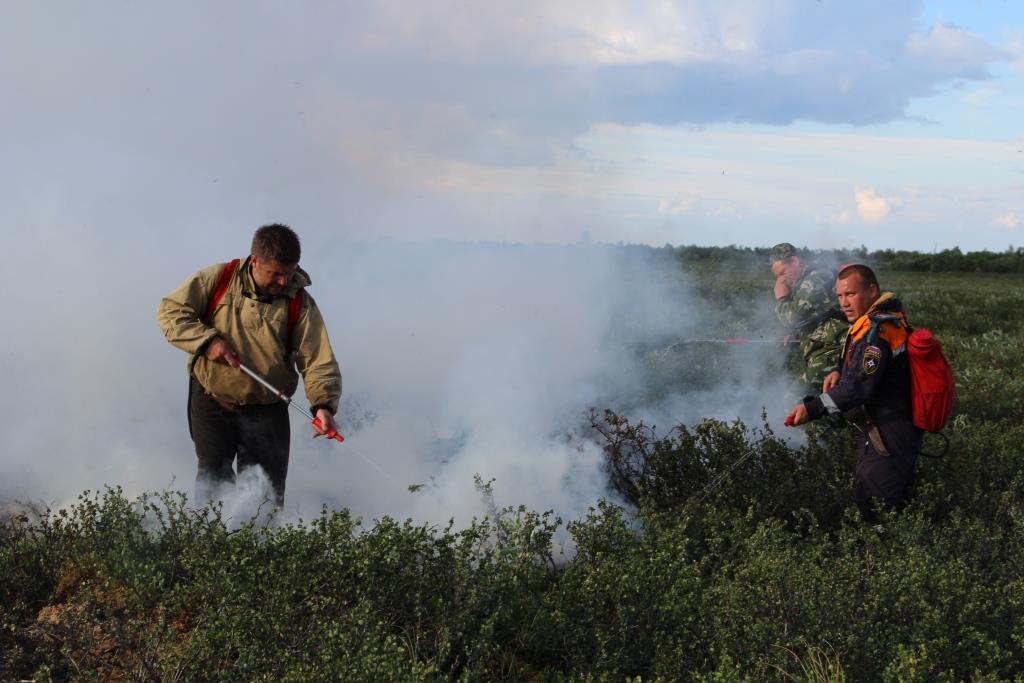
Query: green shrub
point(730, 555)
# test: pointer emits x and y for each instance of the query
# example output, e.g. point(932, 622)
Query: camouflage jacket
point(810, 311)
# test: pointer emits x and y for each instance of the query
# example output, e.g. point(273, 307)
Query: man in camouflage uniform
point(805, 302)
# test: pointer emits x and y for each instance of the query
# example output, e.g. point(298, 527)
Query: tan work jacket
point(256, 330)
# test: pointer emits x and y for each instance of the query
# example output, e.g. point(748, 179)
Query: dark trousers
point(889, 478)
point(257, 435)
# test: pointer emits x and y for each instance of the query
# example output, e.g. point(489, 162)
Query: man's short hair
point(865, 272)
point(276, 242)
point(781, 252)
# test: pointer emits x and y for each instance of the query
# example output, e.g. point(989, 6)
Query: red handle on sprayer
point(331, 433)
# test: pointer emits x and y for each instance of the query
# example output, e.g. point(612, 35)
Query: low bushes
point(761, 574)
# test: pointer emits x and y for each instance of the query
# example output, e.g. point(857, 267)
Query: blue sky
point(825, 123)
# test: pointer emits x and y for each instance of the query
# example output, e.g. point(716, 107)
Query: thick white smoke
point(463, 360)
point(458, 360)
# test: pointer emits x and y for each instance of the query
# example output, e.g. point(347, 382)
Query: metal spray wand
point(315, 421)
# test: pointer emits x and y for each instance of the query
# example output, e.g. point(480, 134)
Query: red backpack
point(932, 386)
point(224, 281)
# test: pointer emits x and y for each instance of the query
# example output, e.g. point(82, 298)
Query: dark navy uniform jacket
point(874, 394)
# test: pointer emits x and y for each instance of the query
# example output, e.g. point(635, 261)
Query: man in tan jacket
point(255, 311)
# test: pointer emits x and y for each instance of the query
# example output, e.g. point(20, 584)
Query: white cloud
point(1015, 48)
point(752, 35)
point(956, 50)
point(871, 207)
point(677, 206)
point(666, 62)
point(577, 32)
point(495, 81)
point(475, 120)
point(982, 94)
point(1008, 221)
point(841, 217)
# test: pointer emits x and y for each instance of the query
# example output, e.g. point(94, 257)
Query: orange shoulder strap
point(223, 282)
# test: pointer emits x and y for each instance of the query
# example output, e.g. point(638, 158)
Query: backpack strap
point(876, 325)
point(294, 310)
point(223, 282)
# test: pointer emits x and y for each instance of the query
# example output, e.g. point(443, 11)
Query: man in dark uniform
point(871, 388)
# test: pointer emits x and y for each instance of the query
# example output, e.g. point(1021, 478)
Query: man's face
point(787, 270)
point(271, 276)
point(854, 297)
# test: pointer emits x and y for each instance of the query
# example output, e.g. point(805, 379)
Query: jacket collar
point(300, 279)
point(887, 303)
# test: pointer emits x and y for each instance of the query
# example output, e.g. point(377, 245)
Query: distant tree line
point(945, 261)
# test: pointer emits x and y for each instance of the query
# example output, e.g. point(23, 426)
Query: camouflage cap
point(781, 252)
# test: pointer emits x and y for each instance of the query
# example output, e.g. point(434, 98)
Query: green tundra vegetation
point(705, 571)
